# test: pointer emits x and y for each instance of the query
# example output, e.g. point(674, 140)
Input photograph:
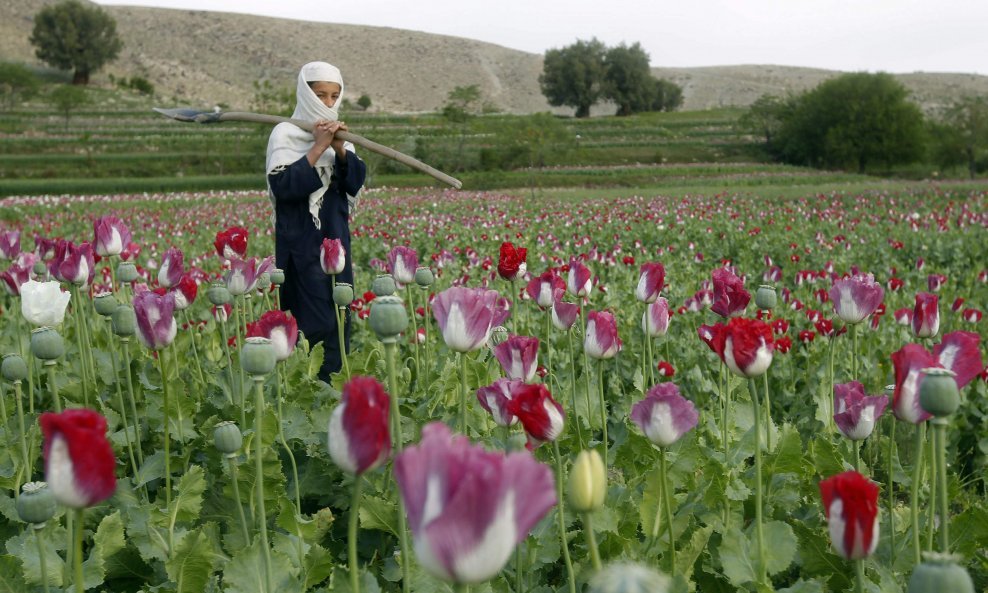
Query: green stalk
point(77, 556)
point(667, 505)
point(463, 393)
point(50, 368)
point(168, 464)
point(760, 538)
point(560, 478)
point(28, 359)
point(125, 342)
point(914, 494)
point(291, 459)
point(425, 324)
point(415, 330)
point(891, 486)
point(854, 351)
point(240, 344)
point(572, 390)
point(229, 373)
point(768, 413)
point(341, 338)
point(122, 406)
point(830, 394)
point(855, 445)
point(80, 339)
point(859, 571)
point(603, 406)
point(262, 518)
point(931, 512)
point(399, 445)
point(231, 460)
point(195, 351)
point(940, 428)
point(725, 436)
point(650, 363)
point(20, 421)
point(591, 541)
point(41, 554)
point(352, 536)
point(88, 348)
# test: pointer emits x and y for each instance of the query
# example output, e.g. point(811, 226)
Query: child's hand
point(323, 132)
point(337, 143)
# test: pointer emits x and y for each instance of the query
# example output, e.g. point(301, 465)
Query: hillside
point(203, 58)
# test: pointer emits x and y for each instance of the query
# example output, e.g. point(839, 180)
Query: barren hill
point(203, 58)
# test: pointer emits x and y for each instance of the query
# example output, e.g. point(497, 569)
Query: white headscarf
point(288, 143)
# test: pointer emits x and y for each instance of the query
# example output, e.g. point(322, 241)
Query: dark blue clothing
point(307, 291)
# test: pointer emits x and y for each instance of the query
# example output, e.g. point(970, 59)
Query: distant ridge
point(203, 58)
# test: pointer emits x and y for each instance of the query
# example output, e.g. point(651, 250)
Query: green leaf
point(788, 456)
point(739, 552)
point(153, 469)
point(318, 565)
point(192, 563)
point(737, 558)
point(315, 361)
point(377, 513)
point(780, 546)
point(188, 495)
point(246, 570)
point(802, 586)
point(688, 554)
point(11, 580)
point(108, 540)
point(25, 548)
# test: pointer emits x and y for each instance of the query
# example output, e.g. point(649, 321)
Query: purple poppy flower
point(602, 336)
point(729, 296)
point(495, 397)
point(856, 298)
point(655, 319)
point(156, 327)
point(518, 356)
point(664, 415)
point(855, 412)
point(650, 280)
point(466, 316)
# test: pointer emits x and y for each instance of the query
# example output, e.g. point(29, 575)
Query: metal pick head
point(189, 115)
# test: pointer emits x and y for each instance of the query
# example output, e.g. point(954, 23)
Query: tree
point(666, 95)
point(969, 117)
point(74, 36)
point(628, 80)
point(16, 83)
point(574, 75)
point(67, 98)
point(765, 117)
point(853, 121)
point(462, 103)
point(364, 102)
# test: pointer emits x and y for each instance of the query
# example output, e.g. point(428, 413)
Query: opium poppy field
point(716, 393)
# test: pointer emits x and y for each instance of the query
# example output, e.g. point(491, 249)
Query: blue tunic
point(307, 291)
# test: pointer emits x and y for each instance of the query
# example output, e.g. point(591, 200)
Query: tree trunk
point(80, 77)
point(971, 164)
point(583, 111)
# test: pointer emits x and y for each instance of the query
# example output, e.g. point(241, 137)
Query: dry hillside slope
point(203, 58)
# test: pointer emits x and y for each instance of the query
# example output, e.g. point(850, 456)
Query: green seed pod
point(765, 298)
point(257, 356)
point(424, 277)
point(938, 393)
point(277, 276)
point(126, 271)
point(498, 335)
point(624, 577)
point(384, 285)
point(40, 269)
point(47, 343)
point(228, 438)
point(124, 321)
point(36, 504)
point(587, 482)
point(218, 294)
point(105, 303)
point(940, 573)
point(388, 317)
point(343, 294)
point(14, 368)
point(517, 442)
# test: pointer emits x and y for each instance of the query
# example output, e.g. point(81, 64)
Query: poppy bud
point(126, 271)
point(587, 482)
point(47, 343)
point(124, 321)
point(36, 504)
point(228, 438)
point(257, 356)
point(765, 297)
point(105, 303)
point(938, 393)
point(383, 285)
point(424, 277)
point(218, 294)
point(939, 573)
point(343, 294)
point(388, 317)
point(14, 368)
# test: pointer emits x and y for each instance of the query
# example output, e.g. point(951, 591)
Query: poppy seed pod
point(36, 504)
point(343, 294)
point(499, 335)
point(126, 271)
point(939, 572)
point(105, 303)
point(228, 438)
point(765, 297)
point(388, 317)
point(424, 277)
point(257, 356)
point(14, 368)
point(124, 321)
point(218, 294)
point(277, 276)
point(383, 285)
point(938, 393)
point(47, 343)
point(587, 482)
point(40, 269)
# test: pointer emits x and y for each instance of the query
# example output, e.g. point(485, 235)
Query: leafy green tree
point(74, 36)
point(16, 83)
point(969, 118)
point(67, 98)
point(628, 81)
point(666, 95)
point(574, 75)
point(853, 121)
point(270, 99)
point(765, 117)
point(462, 103)
point(364, 102)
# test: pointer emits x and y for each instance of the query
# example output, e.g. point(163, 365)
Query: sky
point(897, 36)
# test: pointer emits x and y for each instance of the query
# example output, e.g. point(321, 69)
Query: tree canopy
point(16, 83)
point(74, 36)
point(851, 122)
point(574, 75)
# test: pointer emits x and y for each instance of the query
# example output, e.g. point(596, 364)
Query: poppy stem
point(122, 406)
point(891, 486)
point(914, 494)
point(195, 350)
point(725, 434)
point(77, 556)
point(165, 411)
point(931, 513)
point(406, 558)
point(859, 570)
point(231, 460)
point(229, 372)
point(52, 386)
point(352, 535)
point(572, 392)
point(425, 325)
point(666, 503)
point(940, 428)
point(760, 538)
point(415, 330)
point(125, 342)
point(830, 397)
point(463, 393)
point(591, 540)
point(38, 528)
point(560, 513)
point(603, 406)
point(262, 519)
point(18, 397)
